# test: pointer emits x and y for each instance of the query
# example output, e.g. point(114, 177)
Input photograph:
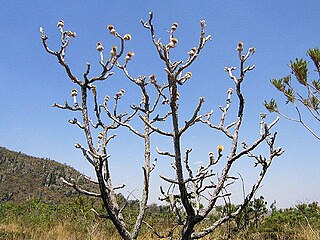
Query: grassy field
point(75, 220)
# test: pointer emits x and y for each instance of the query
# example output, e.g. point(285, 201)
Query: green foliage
point(305, 95)
point(316, 84)
point(314, 54)
point(278, 83)
point(299, 68)
point(314, 102)
point(283, 85)
point(271, 106)
point(286, 222)
point(289, 93)
point(256, 222)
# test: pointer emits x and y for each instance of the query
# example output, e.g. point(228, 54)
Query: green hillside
point(23, 177)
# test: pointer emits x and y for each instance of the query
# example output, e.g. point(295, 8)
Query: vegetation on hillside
point(23, 177)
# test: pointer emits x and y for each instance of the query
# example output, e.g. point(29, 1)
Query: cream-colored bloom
point(113, 31)
point(74, 92)
point(211, 157)
point(252, 50)
point(174, 26)
point(230, 91)
point(60, 24)
point(192, 51)
point(129, 56)
point(188, 75)
point(71, 34)
point(240, 46)
point(110, 27)
point(113, 51)
point(152, 77)
point(99, 46)
point(127, 37)
point(174, 40)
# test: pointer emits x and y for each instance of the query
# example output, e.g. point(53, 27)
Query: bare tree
point(199, 186)
point(97, 154)
point(308, 100)
point(185, 194)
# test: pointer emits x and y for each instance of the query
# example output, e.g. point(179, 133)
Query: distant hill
point(23, 177)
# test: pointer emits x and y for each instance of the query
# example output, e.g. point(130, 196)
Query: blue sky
point(31, 80)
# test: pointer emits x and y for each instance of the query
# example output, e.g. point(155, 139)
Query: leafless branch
point(164, 153)
point(67, 106)
point(194, 118)
point(80, 190)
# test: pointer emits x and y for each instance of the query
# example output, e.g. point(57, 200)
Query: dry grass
point(65, 231)
point(15, 231)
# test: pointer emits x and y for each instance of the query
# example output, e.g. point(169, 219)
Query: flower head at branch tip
point(43, 36)
point(113, 51)
point(174, 40)
point(74, 92)
point(174, 26)
point(99, 47)
point(172, 43)
point(192, 51)
point(113, 32)
point(203, 23)
point(119, 94)
point(211, 157)
point(60, 24)
point(240, 46)
point(220, 148)
point(188, 75)
point(230, 91)
point(127, 37)
point(252, 50)
point(129, 56)
point(106, 98)
point(263, 115)
point(152, 77)
point(71, 34)
point(110, 27)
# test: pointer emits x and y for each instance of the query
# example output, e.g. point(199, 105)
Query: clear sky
point(31, 80)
